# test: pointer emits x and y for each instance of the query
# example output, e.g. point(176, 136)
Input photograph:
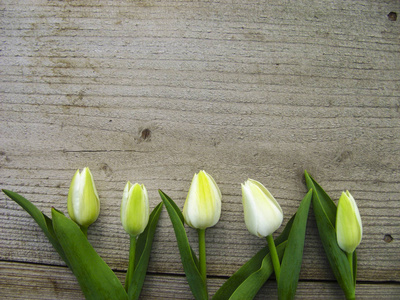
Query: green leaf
point(249, 288)
point(96, 279)
point(285, 233)
point(41, 219)
point(291, 262)
point(251, 266)
point(196, 282)
point(143, 249)
point(180, 215)
point(325, 215)
point(328, 206)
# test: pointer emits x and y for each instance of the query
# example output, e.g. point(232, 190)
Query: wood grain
point(153, 91)
point(22, 281)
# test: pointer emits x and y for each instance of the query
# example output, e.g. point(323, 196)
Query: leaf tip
point(7, 192)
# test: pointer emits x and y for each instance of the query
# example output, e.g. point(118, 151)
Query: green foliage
point(44, 222)
point(143, 249)
point(293, 256)
point(95, 277)
point(325, 215)
point(189, 259)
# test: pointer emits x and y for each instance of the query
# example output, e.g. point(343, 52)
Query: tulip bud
point(134, 208)
point(202, 208)
point(262, 213)
point(83, 201)
point(348, 223)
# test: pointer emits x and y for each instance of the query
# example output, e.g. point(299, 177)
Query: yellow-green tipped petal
point(202, 208)
point(262, 213)
point(83, 200)
point(134, 208)
point(348, 223)
point(73, 194)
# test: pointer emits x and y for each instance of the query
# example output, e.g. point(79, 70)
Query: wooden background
point(154, 91)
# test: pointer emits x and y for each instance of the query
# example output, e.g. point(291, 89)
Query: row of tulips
point(340, 230)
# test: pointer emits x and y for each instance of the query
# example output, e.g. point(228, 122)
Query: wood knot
point(106, 169)
point(345, 155)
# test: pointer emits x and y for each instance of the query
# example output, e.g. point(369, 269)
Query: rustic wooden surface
point(154, 91)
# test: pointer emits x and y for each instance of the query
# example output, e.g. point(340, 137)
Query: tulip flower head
point(135, 208)
point(83, 201)
point(348, 223)
point(262, 213)
point(202, 208)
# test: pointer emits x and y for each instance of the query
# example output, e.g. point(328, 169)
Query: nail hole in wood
point(388, 238)
point(145, 134)
point(392, 16)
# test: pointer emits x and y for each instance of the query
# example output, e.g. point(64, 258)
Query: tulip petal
point(134, 208)
point(348, 223)
point(124, 202)
point(202, 207)
point(263, 214)
point(73, 194)
point(267, 193)
point(83, 200)
point(250, 212)
point(90, 206)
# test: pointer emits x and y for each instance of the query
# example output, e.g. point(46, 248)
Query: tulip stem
point(274, 257)
point(350, 259)
point(351, 296)
point(202, 254)
point(131, 267)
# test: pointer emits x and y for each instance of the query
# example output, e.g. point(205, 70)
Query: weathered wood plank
point(27, 281)
point(240, 89)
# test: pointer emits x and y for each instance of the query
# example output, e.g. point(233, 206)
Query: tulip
point(134, 208)
point(134, 219)
point(202, 208)
point(83, 200)
point(348, 223)
point(262, 213)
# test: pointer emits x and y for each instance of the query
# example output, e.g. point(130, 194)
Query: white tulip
point(202, 208)
point(134, 208)
point(348, 223)
point(83, 201)
point(262, 213)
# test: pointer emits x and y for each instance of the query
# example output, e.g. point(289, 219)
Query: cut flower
point(134, 208)
point(83, 200)
point(202, 208)
point(348, 223)
point(262, 213)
